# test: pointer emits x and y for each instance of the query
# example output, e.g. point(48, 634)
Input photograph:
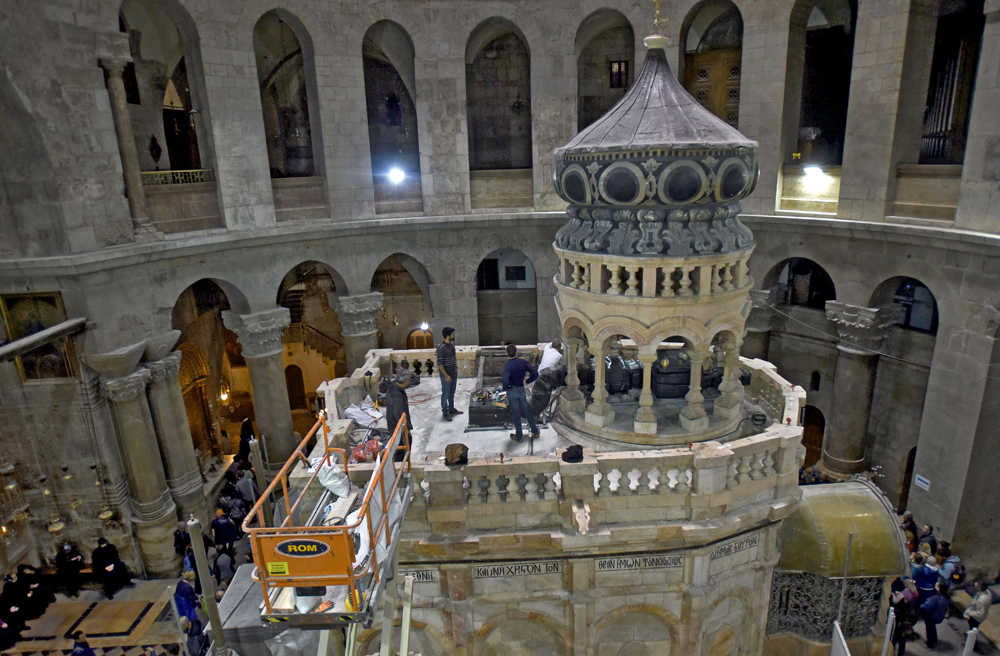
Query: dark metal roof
point(657, 112)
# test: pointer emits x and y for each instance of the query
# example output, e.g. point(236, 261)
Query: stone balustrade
point(775, 395)
point(654, 277)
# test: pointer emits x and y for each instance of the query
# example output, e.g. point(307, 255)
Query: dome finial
point(657, 40)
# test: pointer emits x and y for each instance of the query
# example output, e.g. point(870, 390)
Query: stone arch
point(808, 283)
point(499, 115)
point(194, 365)
point(655, 621)
point(286, 67)
point(824, 28)
point(405, 287)
point(499, 634)
point(288, 266)
point(507, 298)
point(918, 306)
point(576, 320)
point(235, 299)
point(387, 52)
point(692, 331)
point(731, 324)
point(605, 36)
point(711, 43)
point(438, 644)
point(745, 630)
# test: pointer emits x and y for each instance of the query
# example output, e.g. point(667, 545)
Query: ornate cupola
point(654, 252)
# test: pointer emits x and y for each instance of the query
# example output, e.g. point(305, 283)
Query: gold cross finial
point(658, 23)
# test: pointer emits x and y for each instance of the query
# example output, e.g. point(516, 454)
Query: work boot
point(446, 415)
point(514, 437)
point(456, 411)
point(535, 436)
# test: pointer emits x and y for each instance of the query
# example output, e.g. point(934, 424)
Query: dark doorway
point(813, 426)
point(826, 85)
point(296, 387)
point(904, 494)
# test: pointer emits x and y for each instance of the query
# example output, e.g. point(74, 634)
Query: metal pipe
point(258, 463)
point(843, 584)
point(207, 586)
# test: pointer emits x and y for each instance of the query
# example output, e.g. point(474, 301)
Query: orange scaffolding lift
point(332, 569)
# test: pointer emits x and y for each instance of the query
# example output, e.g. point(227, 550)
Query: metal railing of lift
point(336, 537)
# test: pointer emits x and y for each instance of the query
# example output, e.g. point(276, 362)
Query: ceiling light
point(396, 176)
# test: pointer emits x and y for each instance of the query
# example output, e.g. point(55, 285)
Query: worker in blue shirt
point(516, 374)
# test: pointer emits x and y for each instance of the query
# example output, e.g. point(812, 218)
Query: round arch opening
point(805, 283)
point(506, 298)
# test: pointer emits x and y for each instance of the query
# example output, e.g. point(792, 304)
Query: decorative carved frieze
point(165, 368)
point(357, 314)
point(259, 333)
point(858, 328)
point(126, 388)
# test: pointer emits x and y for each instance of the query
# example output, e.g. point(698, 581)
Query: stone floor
point(431, 433)
point(951, 640)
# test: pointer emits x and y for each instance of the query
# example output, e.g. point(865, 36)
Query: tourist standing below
point(927, 537)
point(934, 609)
point(514, 373)
point(979, 609)
point(447, 363)
point(223, 531)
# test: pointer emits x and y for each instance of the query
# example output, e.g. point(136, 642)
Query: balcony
point(182, 201)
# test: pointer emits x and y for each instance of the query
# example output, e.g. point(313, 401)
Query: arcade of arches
point(213, 208)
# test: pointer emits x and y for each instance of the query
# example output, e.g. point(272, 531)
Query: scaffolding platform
point(331, 570)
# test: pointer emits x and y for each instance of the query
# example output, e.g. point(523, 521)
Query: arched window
point(498, 95)
point(284, 96)
point(405, 287)
point(712, 37)
point(916, 304)
point(805, 283)
point(506, 298)
point(387, 52)
point(605, 51)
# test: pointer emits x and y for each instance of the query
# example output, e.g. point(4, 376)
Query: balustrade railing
point(654, 277)
point(154, 178)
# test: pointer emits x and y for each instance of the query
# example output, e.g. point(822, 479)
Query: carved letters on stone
point(126, 388)
point(260, 333)
point(859, 328)
point(357, 314)
point(165, 368)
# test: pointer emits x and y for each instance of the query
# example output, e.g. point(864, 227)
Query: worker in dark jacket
point(396, 402)
point(224, 531)
point(933, 611)
point(516, 374)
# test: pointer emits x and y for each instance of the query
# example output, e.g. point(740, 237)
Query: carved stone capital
point(260, 333)
point(357, 314)
point(126, 388)
point(165, 368)
point(762, 303)
point(861, 329)
point(114, 65)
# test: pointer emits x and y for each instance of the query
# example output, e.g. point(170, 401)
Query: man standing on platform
point(514, 373)
point(448, 370)
point(396, 402)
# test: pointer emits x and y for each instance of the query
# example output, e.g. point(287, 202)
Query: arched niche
point(405, 286)
point(286, 77)
point(506, 298)
point(605, 56)
point(498, 98)
point(164, 86)
point(914, 303)
point(712, 39)
point(214, 379)
point(314, 338)
point(390, 87)
point(522, 637)
point(630, 629)
point(818, 80)
point(805, 283)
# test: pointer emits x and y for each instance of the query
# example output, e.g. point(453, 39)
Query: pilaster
point(357, 316)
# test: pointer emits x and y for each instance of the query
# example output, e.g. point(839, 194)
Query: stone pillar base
point(599, 414)
point(572, 400)
point(838, 468)
point(727, 412)
point(156, 546)
point(644, 427)
point(694, 425)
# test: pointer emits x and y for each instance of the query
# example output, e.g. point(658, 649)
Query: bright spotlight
point(423, 326)
point(396, 176)
point(812, 170)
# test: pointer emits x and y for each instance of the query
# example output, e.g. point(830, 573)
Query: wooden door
point(713, 78)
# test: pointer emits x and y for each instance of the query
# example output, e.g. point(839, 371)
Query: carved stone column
point(113, 69)
point(174, 437)
point(693, 417)
point(155, 512)
point(572, 397)
point(599, 412)
point(760, 321)
point(861, 332)
point(730, 401)
point(645, 420)
point(357, 324)
point(260, 336)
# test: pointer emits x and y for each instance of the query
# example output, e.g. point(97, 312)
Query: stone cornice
point(165, 368)
point(260, 333)
point(860, 329)
point(357, 314)
point(126, 388)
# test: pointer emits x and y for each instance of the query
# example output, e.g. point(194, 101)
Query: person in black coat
point(224, 531)
point(396, 401)
point(12, 603)
point(69, 562)
point(37, 595)
point(110, 569)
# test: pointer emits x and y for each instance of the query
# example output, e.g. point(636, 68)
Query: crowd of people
point(925, 595)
